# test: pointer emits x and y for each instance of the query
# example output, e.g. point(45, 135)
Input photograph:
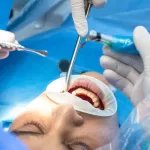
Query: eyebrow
point(26, 119)
point(18, 132)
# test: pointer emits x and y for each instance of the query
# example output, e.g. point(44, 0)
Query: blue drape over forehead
point(5, 7)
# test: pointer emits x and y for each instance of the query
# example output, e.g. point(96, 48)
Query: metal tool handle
point(75, 51)
point(39, 52)
point(19, 47)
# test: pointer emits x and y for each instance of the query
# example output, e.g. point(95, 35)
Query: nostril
point(79, 121)
point(73, 116)
point(69, 115)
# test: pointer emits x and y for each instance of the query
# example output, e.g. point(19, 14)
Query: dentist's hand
point(78, 13)
point(130, 73)
point(8, 37)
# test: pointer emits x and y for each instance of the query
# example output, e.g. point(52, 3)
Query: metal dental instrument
point(75, 52)
point(124, 44)
point(22, 48)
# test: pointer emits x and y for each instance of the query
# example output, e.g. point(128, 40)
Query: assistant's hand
point(78, 13)
point(130, 73)
point(8, 37)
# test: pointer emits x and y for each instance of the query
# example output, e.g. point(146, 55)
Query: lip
point(89, 85)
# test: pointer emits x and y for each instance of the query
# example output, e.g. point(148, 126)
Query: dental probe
point(75, 52)
point(117, 43)
point(19, 47)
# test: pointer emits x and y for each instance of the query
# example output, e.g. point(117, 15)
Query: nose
point(65, 117)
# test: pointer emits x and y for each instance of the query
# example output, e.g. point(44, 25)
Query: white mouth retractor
point(54, 92)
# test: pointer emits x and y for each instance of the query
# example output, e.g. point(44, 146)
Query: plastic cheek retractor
point(54, 92)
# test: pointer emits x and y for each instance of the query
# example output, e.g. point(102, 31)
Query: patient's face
point(46, 125)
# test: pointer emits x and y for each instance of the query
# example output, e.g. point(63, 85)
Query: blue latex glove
point(9, 141)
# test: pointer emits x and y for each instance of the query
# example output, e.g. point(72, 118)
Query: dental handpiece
point(123, 44)
point(19, 47)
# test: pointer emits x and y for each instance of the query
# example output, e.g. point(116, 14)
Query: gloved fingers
point(138, 89)
point(16, 42)
point(120, 68)
point(99, 3)
point(4, 54)
point(6, 49)
point(142, 42)
point(78, 13)
point(7, 36)
point(121, 83)
point(134, 61)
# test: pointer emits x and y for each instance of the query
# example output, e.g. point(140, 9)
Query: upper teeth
point(90, 94)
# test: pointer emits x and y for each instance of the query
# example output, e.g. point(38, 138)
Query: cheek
point(96, 132)
point(42, 105)
point(94, 128)
point(31, 142)
point(102, 129)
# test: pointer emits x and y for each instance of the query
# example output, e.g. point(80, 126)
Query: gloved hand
point(78, 13)
point(130, 73)
point(8, 37)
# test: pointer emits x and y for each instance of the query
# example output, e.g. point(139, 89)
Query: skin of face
point(45, 125)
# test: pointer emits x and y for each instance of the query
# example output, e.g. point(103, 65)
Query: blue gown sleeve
point(8, 141)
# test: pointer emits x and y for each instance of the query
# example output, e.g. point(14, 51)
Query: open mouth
point(86, 94)
point(88, 91)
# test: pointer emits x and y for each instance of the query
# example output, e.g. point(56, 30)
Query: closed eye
point(79, 146)
point(32, 128)
point(25, 133)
